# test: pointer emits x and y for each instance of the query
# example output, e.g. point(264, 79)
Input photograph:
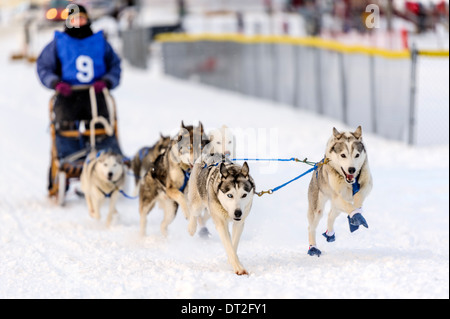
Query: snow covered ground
point(51, 252)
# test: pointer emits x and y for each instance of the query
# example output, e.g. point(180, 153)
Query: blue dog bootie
point(313, 251)
point(355, 221)
point(204, 233)
point(330, 238)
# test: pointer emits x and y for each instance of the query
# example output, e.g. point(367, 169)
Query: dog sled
point(90, 135)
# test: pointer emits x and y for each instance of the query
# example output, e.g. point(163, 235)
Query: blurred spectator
point(294, 5)
point(356, 14)
point(268, 5)
point(441, 14)
point(311, 13)
point(422, 18)
point(240, 22)
point(182, 10)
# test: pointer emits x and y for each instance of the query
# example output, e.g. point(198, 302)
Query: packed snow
point(47, 251)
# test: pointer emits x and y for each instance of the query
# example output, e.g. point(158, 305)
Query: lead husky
point(221, 141)
point(102, 177)
point(344, 179)
point(226, 190)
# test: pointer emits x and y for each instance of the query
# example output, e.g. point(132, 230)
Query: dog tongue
point(348, 177)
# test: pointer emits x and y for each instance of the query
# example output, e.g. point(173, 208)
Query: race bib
point(82, 60)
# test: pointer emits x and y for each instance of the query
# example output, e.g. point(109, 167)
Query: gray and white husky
point(345, 179)
point(222, 142)
point(226, 191)
point(143, 160)
point(102, 177)
point(166, 181)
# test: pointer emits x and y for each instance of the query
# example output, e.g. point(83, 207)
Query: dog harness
point(356, 186)
point(107, 195)
point(143, 153)
point(187, 175)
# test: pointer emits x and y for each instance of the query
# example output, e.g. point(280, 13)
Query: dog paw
point(331, 238)
point(79, 193)
point(204, 233)
point(356, 221)
point(241, 272)
point(313, 251)
point(192, 227)
point(94, 215)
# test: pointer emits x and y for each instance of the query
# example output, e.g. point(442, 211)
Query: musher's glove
point(99, 86)
point(63, 88)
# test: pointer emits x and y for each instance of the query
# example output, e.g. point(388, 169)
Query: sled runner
point(77, 140)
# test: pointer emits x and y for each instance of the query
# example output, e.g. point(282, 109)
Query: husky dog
point(222, 141)
point(166, 181)
point(145, 157)
point(345, 179)
point(226, 190)
point(102, 177)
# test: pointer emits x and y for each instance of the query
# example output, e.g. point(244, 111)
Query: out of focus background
point(381, 63)
point(282, 72)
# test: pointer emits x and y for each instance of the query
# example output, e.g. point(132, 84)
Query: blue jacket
point(50, 69)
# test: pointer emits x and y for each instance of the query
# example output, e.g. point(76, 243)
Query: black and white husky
point(226, 191)
point(344, 179)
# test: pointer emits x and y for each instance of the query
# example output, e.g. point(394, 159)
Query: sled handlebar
point(109, 126)
point(96, 119)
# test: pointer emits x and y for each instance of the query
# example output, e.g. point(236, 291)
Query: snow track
point(51, 252)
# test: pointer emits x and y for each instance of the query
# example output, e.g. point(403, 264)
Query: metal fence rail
point(357, 85)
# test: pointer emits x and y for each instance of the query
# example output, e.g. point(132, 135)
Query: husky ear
point(358, 133)
point(182, 124)
point(245, 169)
point(336, 133)
point(120, 159)
point(223, 170)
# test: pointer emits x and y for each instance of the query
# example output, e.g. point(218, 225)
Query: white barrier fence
point(356, 85)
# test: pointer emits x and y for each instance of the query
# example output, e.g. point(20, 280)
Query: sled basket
point(62, 170)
